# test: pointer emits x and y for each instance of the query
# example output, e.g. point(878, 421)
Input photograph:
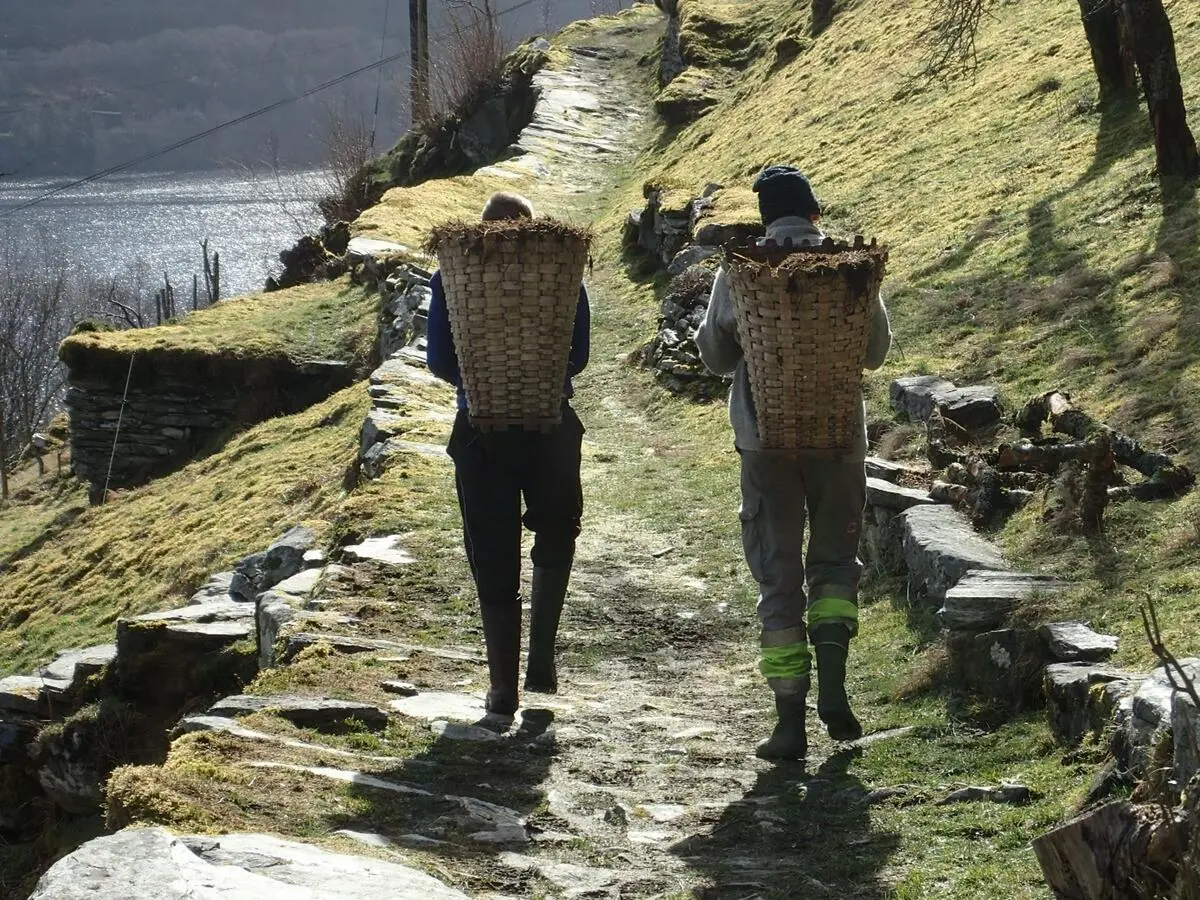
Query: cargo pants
point(781, 493)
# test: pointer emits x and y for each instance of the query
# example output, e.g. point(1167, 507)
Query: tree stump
point(1114, 852)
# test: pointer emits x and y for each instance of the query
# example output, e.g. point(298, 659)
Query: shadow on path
point(794, 834)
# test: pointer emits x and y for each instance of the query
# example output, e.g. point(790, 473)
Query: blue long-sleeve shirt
point(442, 357)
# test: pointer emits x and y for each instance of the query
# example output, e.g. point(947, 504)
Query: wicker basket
point(512, 288)
point(804, 320)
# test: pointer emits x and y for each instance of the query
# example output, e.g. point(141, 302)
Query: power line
point(121, 167)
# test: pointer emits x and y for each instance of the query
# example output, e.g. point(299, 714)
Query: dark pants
point(493, 471)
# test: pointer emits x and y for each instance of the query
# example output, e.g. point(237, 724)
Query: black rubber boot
point(502, 632)
point(789, 740)
point(546, 602)
point(832, 645)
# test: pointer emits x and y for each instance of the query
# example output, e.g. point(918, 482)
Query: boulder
point(1151, 711)
point(218, 587)
point(152, 864)
point(76, 666)
point(1075, 642)
point(981, 600)
point(972, 408)
point(940, 547)
point(1081, 698)
point(304, 712)
point(916, 396)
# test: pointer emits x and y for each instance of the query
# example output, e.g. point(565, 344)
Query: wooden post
point(195, 292)
point(418, 26)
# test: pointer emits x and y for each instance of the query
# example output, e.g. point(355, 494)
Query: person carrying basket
point(494, 468)
point(780, 490)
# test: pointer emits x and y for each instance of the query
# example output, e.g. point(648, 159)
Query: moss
point(722, 34)
point(312, 322)
point(690, 95)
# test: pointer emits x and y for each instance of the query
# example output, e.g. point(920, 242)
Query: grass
point(151, 547)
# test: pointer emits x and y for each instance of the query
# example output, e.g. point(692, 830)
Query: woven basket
point(804, 320)
point(512, 288)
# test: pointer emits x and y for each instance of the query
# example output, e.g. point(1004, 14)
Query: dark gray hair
point(503, 205)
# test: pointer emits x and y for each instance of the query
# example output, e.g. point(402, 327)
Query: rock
point(76, 666)
point(201, 613)
point(218, 587)
point(490, 823)
point(459, 731)
point(572, 880)
point(1185, 731)
point(386, 550)
point(1004, 665)
point(1082, 698)
point(301, 584)
point(152, 864)
point(1151, 711)
point(1075, 642)
point(973, 408)
point(885, 469)
point(982, 599)
point(402, 688)
point(690, 256)
point(940, 547)
point(342, 643)
point(314, 559)
point(285, 557)
point(25, 694)
point(322, 713)
point(272, 612)
point(662, 813)
point(1010, 793)
point(885, 495)
point(916, 397)
point(435, 705)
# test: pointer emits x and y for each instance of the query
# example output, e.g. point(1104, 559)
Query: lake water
point(159, 220)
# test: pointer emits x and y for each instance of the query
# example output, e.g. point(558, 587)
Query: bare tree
point(347, 139)
point(470, 60)
point(38, 307)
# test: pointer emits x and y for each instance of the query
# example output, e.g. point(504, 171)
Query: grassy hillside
point(1032, 245)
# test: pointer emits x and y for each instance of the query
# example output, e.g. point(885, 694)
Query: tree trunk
point(1153, 45)
point(822, 15)
point(1114, 67)
point(3, 459)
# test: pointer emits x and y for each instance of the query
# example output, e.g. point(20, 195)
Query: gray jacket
point(717, 340)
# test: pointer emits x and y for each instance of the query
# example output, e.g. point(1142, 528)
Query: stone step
point(982, 600)
point(885, 495)
point(940, 547)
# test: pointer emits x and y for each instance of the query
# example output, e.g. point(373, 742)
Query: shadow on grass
point(794, 834)
point(1123, 130)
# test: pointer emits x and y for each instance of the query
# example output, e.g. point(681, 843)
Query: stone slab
point(203, 613)
point(301, 584)
point(152, 864)
point(983, 599)
point(940, 547)
point(75, 666)
point(365, 247)
point(885, 469)
point(23, 693)
point(1075, 642)
point(387, 550)
point(915, 396)
point(885, 495)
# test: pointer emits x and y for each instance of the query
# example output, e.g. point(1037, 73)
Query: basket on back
point(804, 321)
point(512, 287)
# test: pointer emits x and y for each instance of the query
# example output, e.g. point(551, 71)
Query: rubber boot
point(546, 602)
point(832, 645)
point(789, 740)
point(502, 633)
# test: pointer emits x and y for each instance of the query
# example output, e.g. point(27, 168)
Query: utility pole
point(418, 23)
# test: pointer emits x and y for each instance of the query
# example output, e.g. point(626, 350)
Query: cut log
point(1107, 853)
